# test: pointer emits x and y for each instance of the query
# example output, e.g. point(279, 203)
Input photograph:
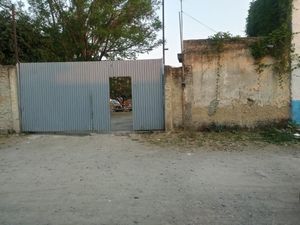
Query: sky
point(220, 15)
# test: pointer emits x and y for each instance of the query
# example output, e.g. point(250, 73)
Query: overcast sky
point(220, 15)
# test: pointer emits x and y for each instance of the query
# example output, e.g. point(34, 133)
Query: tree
point(87, 30)
point(271, 20)
point(32, 45)
point(266, 16)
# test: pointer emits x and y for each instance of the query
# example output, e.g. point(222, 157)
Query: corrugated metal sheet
point(74, 97)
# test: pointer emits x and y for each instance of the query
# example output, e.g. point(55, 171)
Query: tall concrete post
point(296, 73)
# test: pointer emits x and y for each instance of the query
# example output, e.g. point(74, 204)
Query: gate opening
point(121, 103)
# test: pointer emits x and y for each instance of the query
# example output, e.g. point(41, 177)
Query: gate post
point(296, 73)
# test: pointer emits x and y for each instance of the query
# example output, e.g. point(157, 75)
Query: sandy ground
point(115, 180)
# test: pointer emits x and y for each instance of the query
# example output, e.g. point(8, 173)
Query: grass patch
point(224, 139)
point(281, 136)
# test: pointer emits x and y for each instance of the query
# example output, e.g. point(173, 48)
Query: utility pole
point(181, 25)
point(163, 33)
point(15, 33)
point(182, 61)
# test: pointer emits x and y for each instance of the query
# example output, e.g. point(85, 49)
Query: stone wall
point(9, 110)
point(224, 88)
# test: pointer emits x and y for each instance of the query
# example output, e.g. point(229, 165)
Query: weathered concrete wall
point(224, 88)
point(296, 73)
point(173, 98)
point(9, 112)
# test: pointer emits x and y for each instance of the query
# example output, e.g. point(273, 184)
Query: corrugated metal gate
point(74, 97)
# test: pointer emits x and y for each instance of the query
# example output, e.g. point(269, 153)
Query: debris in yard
point(297, 136)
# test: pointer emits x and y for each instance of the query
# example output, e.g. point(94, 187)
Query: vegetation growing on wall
point(218, 40)
point(271, 20)
point(217, 43)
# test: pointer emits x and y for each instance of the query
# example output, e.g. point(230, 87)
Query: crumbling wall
point(173, 98)
point(9, 112)
point(223, 88)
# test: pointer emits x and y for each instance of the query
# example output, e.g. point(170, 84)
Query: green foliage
point(217, 41)
point(80, 30)
point(271, 20)
point(120, 87)
point(223, 138)
point(30, 40)
point(93, 30)
point(265, 16)
point(280, 135)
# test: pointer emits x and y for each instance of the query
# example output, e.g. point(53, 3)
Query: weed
point(280, 136)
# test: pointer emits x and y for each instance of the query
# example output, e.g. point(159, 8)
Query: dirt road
point(113, 180)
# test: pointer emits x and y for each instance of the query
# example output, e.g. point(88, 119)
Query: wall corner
point(13, 81)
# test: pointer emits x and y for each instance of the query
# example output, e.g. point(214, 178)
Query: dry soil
point(118, 180)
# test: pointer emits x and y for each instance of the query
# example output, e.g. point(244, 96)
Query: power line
point(203, 24)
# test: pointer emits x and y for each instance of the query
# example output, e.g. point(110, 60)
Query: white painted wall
point(296, 73)
point(296, 40)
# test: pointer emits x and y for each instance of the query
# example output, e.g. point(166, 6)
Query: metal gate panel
point(148, 100)
point(99, 86)
point(147, 90)
point(74, 97)
point(54, 98)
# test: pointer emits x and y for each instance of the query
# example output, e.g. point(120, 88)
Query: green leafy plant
point(271, 21)
point(218, 40)
point(80, 30)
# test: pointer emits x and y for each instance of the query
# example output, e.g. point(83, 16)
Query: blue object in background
point(296, 111)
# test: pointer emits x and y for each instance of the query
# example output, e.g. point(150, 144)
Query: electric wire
point(203, 24)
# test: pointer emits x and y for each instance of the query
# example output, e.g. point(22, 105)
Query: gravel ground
point(117, 180)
